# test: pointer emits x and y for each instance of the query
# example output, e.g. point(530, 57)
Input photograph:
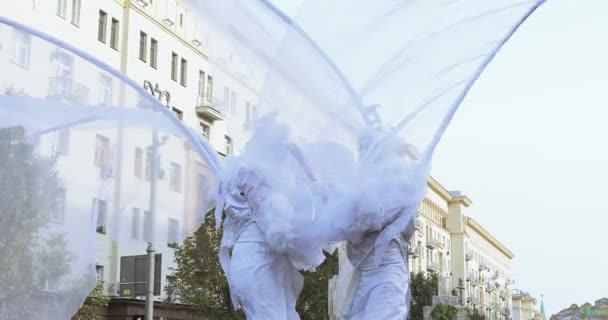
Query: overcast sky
point(528, 146)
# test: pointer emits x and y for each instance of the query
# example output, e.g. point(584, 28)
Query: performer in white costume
point(261, 189)
point(374, 281)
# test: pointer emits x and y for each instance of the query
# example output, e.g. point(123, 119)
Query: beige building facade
point(468, 259)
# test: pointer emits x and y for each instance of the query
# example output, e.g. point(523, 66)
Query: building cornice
point(126, 4)
point(449, 197)
point(474, 225)
point(439, 189)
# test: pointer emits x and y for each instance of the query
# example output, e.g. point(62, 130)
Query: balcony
point(68, 89)
point(432, 244)
point(451, 300)
point(415, 252)
point(470, 277)
point(473, 301)
point(208, 108)
point(418, 225)
point(440, 244)
point(432, 267)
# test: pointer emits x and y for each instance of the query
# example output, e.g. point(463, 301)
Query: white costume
point(374, 281)
point(263, 200)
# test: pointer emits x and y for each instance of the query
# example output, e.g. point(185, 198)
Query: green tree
point(313, 301)
point(31, 256)
point(90, 308)
point(423, 288)
point(474, 314)
point(198, 276)
point(444, 312)
point(199, 279)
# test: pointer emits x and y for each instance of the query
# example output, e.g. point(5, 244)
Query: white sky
point(528, 146)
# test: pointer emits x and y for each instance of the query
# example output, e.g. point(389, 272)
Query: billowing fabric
point(333, 70)
point(87, 157)
point(87, 151)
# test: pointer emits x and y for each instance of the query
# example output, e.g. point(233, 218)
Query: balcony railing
point(470, 277)
point(66, 88)
point(432, 243)
point(432, 267)
point(209, 107)
point(414, 251)
point(451, 300)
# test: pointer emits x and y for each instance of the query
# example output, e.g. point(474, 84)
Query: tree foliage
point(313, 301)
point(474, 314)
point(444, 312)
point(198, 277)
point(423, 288)
point(199, 280)
point(32, 257)
point(90, 308)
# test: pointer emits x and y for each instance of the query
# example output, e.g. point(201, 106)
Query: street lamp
point(460, 289)
point(149, 311)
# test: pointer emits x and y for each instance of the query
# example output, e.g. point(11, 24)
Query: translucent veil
point(90, 157)
point(88, 160)
point(394, 71)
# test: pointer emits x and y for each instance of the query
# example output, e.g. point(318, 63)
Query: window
point(114, 34)
point(139, 158)
point(184, 72)
point(178, 113)
point(99, 273)
point(174, 66)
point(136, 224)
point(58, 211)
point(175, 180)
point(170, 289)
point(102, 26)
point(205, 129)
point(102, 151)
point(228, 145)
point(203, 185)
point(233, 103)
point(62, 8)
point(62, 138)
point(143, 46)
point(153, 53)
point(181, 20)
point(105, 90)
point(209, 87)
point(149, 157)
point(100, 209)
point(147, 236)
point(23, 44)
point(76, 12)
point(172, 233)
point(201, 83)
point(226, 99)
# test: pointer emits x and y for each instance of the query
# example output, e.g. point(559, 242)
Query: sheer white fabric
point(81, 169)
point(121, 165)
